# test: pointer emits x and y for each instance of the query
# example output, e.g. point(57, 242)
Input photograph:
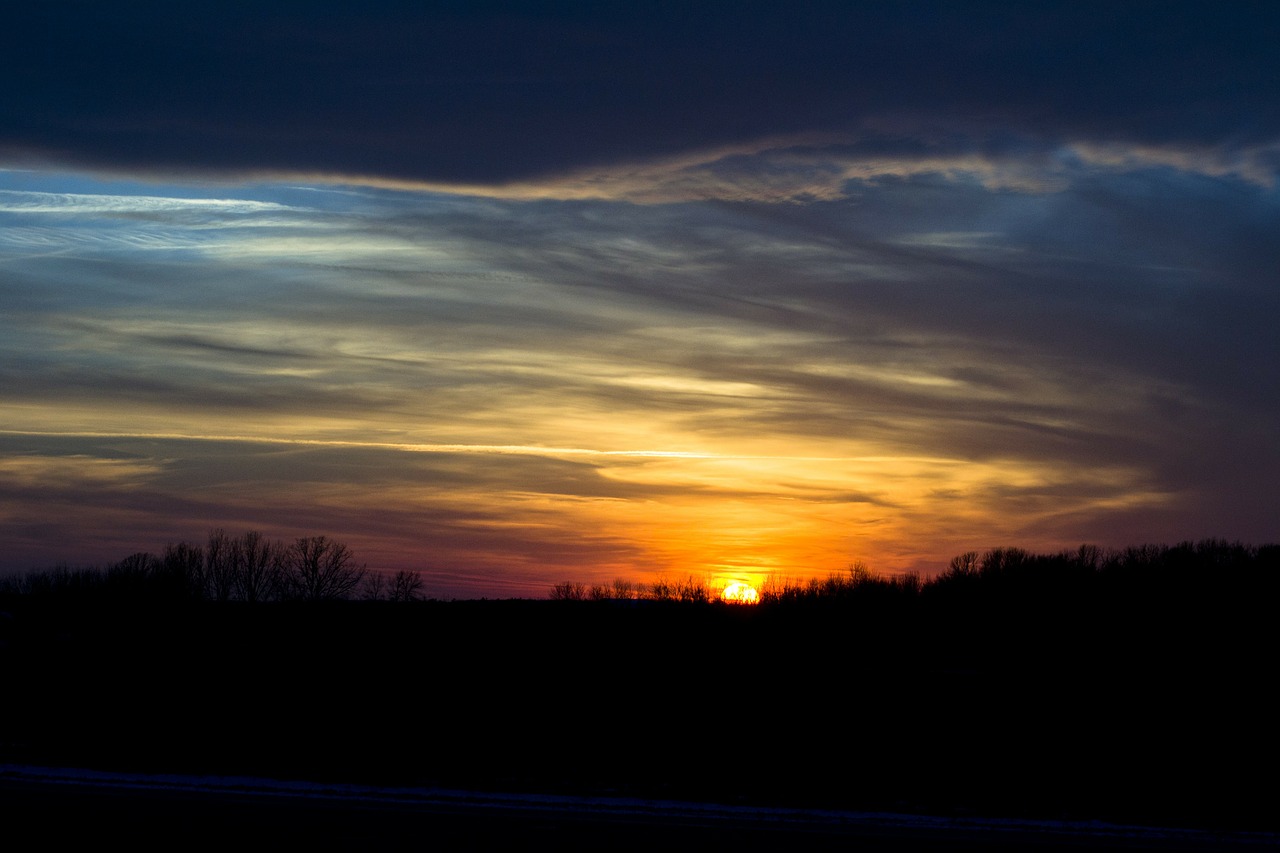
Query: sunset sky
point(515, 293)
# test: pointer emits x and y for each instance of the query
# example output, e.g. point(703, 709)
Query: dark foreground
point(62, 807)
point(1148, 710)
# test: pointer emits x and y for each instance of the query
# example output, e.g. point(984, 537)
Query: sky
point(517, 293)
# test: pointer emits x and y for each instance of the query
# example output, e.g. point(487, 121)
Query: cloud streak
point(627, 294)
point(774, 171)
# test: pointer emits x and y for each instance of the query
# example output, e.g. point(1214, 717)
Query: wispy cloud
point(800, 171)
point(17, 201)
point(622, 297)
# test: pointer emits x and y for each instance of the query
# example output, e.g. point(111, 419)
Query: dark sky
point(519, 292)
point(490, 92)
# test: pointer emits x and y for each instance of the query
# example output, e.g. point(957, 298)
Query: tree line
point(1208, 562)
point(250, 567)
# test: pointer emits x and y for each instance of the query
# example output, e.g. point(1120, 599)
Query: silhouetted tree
point(568, 591)
point(219, 577)
point(374, 587)
point(132, 575)
point(662, 590)
point(693, 589)
point(964, 565)
point(1005, 562)
point(61, 580)
point(180, 571)
point(258, 567)
point(319, 569)
point(405, 586)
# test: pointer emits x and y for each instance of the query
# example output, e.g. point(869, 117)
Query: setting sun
point(740, 593)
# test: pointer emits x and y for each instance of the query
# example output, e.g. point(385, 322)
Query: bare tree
point(219, 577)
point(374, 587)
point(182, 569)
point(257, 562)
point(569, 591)
point(319, 569)
point(963, 565)
point(134, 574)
point(693, 589)
point(661, 589)
point(405, 586)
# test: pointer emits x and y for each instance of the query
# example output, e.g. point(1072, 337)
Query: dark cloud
point(484, 92)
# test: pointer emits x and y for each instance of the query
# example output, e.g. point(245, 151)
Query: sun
point(740, 593)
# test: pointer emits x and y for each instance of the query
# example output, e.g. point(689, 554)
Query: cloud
point(505, 95)
point(801, 171)
point(1251, 162)
point(14, 201)
point(770, 171)
point(512, 514)
point(716, 320)
point(889, 339)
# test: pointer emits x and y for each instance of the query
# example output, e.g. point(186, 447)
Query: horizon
point(512, 295)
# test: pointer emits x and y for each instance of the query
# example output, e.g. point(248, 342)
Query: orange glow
point(740, 593)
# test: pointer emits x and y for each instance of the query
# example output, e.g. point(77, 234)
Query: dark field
point(1149, 706)
point(60, 808)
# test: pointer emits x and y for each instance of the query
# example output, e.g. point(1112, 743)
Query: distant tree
point(774, 588)
point(374, 587)
point(861, 573)
point(133, 575)
point(963, 565)
point(568, 591)
point(1089, 557)
point(62, 580)
point(662, 590)
point(316, 568)
point(1005, 562)
point(405, 586)
point(218, 580)
point(693, 589)
point(258, 567)
point(181, 570)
